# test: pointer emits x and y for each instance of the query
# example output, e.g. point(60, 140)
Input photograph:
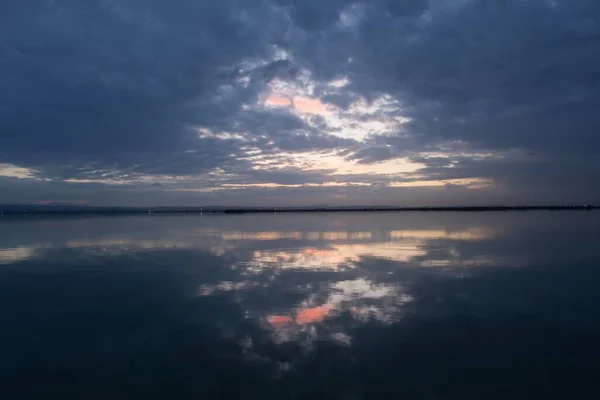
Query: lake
point(291, 306)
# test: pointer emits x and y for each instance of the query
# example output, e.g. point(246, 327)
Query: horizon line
point(15, 209)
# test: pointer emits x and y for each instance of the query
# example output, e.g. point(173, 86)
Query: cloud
point(481, 76)
point(113, 85)
point(141, 92)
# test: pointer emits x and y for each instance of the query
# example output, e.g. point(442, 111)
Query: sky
point(300, 102)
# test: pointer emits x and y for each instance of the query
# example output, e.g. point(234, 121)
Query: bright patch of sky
point(12, 171)
point(361, 120)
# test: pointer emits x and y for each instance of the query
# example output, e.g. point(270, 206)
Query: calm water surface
point(337, 306)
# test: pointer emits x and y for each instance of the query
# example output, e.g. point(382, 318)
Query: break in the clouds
point(299, 101)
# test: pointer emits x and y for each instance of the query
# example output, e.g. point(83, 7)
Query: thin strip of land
point(91, 210)
point(413, 209)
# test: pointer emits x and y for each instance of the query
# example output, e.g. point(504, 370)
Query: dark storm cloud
point(98, 85)
point(498, 74)
point(375, 153)
point(575, 177)
point(313, 15)
point(481, 75)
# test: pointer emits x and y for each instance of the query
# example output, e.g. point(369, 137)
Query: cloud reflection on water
point(334, 246)
point(269, 259)
point(298, 300)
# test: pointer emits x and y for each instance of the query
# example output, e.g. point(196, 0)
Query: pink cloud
point(279, 101)
point(307, 105)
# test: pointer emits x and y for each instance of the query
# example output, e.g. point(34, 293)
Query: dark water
point(348, 306)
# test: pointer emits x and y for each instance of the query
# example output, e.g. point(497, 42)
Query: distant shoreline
point(32, 210)
point(413, 209)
